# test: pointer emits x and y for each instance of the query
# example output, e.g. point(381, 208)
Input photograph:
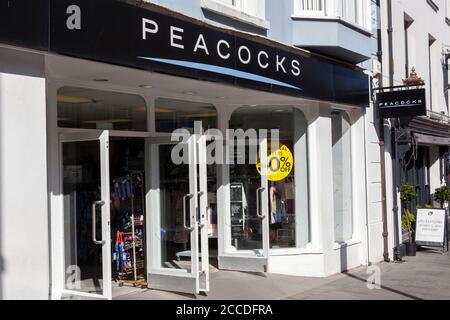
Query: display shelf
point(134, 235)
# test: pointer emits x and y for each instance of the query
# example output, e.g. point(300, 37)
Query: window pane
point(94, 109)
point(311, 5)
point(252, 7)
point(176, 114)
point(288, 197)
point(81, 187)
point(342, 177)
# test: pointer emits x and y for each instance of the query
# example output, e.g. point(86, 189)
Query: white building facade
point(416, 34)
point(87, 112)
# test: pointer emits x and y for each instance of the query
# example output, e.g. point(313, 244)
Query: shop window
point(355, 11)
point(310, 7)
point(342, 176)
point(415, 170)
point(176, 114)
point(288, 196)
point(95, 109)
point(171, 115)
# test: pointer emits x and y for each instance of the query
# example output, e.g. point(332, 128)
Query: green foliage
point(407, 193)
point(427, 206)
point(408, 219)
point(442, 195)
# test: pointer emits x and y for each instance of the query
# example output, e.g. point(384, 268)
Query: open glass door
point(86, 203)
point(246, 227)
point(203, 214)
point(177, 210)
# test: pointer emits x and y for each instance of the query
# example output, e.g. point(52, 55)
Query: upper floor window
point(311, 7)
point(252, 7)
point(353, 11)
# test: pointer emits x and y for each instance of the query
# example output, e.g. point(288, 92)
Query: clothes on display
point(122, 187)
point(120, 256)
point(275, 205)
point(282, 213)
point(129, 255)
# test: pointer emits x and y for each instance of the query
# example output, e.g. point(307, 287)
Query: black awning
point(142, 36)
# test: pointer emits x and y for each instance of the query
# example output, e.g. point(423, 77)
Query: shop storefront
point(419, 144)
point(119, 82)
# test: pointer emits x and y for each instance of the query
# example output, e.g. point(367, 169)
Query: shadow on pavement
point(407, 295)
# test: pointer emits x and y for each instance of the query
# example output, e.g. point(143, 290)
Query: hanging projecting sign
point(430, 227)
point(402, 104)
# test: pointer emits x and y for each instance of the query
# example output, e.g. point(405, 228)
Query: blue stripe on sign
point(222, 70)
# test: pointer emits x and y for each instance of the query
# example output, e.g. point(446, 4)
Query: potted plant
point(442, 195)
point(407, 194)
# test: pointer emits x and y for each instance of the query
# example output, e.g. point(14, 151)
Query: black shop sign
point(402, 104)
point(148, 37)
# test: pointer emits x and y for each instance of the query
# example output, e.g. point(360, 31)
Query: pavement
point(424, 277)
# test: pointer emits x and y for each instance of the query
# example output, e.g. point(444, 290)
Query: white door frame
point(197, 280)
point(247, 260)
point(104, 202)
point(203, 214)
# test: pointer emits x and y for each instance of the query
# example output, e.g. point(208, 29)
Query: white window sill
point(346, 244)
point(235, 14)
point(292, 252)
point(341, 20)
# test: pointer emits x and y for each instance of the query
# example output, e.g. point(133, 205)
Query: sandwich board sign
point(431, 227)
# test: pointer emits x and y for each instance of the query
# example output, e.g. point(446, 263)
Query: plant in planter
point(408, 220)
point(407, 194)
point(442, 195)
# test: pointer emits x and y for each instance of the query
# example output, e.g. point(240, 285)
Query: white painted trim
point(112, 133)
point(235, 14)
point(293, 252)
point(83, 294)
point(338, 19)
point(55, 208)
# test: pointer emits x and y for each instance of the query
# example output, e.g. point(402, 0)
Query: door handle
point(94, 222)
point(188, 196)
point(258, 203)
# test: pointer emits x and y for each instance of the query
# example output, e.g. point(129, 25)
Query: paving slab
point(426, 276)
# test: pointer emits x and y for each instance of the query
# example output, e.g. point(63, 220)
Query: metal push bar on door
point(94, 222)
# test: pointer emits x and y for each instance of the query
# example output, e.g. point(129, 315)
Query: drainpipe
point(390, 31)
point(396, 168)
point(383, 195)
point(382, 157)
